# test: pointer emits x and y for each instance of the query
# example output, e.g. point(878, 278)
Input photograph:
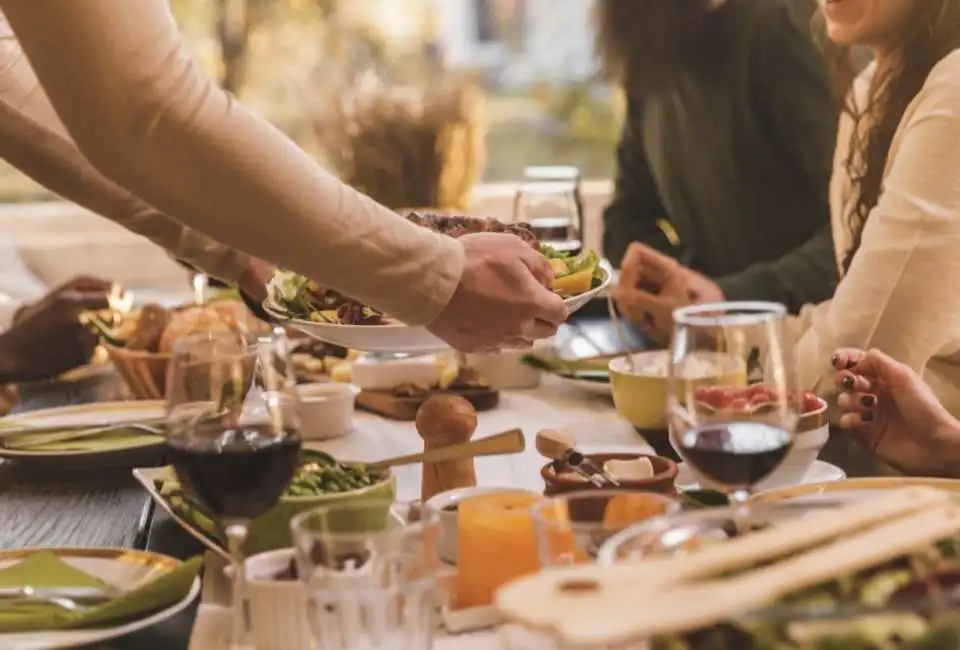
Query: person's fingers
point(84, 301)
point(537, 329)
point(878, 365)
point(855, 420)
point(518, 344)
point(846, 358)
point(87, 284)
point(630, 274)
point(857, 402)
point(850, 382)
point(547, 305)
point(538, 265)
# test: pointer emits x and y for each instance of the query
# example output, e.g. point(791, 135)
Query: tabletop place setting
point(355, 485)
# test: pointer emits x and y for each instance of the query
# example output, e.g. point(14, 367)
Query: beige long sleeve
point(902, 292)
point(144, 115)
point(33, 140)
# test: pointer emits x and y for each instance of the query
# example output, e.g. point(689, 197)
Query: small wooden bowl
point(662, 481)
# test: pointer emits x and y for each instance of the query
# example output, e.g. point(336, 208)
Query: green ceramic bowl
point(272, 530)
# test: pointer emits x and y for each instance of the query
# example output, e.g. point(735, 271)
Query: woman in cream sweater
point(895, 201)
point(123, 122)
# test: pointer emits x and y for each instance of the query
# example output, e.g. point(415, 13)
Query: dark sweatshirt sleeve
point(635, 210)
point(793, 92)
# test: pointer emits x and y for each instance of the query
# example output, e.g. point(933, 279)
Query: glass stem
point(739, 497)
point(240, 638)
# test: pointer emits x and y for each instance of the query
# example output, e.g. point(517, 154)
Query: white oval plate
point(83, 413)
point(402, 338)
point(124, 568)
point(819, 472)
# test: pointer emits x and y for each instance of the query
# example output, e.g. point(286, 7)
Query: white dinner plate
point(123, 568)
point(125, 452)
point(819, 472)
point(402, 338)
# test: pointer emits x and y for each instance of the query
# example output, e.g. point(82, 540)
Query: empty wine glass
point(732, 431)
point(233, 434)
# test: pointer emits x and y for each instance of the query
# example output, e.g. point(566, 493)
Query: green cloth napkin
point(554, 364)
point(106, 441)
point(45, 569)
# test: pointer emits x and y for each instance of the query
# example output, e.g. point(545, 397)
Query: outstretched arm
point(33, 140)
point(146, 117)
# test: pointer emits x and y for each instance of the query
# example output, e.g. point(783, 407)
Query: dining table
point(109, 509)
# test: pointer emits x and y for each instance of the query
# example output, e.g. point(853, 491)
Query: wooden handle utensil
point(508, 442)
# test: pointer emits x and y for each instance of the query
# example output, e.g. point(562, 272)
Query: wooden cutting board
point(385, 403)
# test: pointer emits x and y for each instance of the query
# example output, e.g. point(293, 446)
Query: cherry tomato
point(757, 389)
point(739, 404)
point(722, 397)
point(810, 403)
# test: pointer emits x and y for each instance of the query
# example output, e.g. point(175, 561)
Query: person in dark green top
point(729, 138)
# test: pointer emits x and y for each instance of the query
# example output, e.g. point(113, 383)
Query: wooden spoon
point(508, 442)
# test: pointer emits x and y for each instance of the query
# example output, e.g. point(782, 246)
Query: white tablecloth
point(590, 419)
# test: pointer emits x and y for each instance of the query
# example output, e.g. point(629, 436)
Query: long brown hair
point(933, 32)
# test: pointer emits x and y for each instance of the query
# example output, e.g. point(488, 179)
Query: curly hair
point(933, 32)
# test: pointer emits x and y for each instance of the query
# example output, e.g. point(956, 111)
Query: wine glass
point(733, 402)
point(549, 200)
point(233, 434)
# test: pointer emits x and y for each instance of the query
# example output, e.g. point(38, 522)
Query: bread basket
point(143, 372)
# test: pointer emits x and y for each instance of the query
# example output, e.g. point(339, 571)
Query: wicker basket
point(144, 372)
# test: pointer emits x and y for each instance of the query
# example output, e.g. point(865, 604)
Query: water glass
point(549, 200)
point(571, 528)
point(371, 571)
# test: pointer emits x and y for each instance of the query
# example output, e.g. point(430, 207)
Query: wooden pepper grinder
point(444, 420)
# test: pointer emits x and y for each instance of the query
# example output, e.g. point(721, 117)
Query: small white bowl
point(811, 436)
point(373, 374)
point(505, 371)
point(326, 410)
point(278, 608)
point(447, 544)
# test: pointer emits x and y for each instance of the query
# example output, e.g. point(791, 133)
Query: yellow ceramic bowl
point(641, 396)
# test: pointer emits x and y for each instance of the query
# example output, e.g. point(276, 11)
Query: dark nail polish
point(847, 383)
point(851, 363)
point(833, 360)
point(867, 417)
point(868, 400)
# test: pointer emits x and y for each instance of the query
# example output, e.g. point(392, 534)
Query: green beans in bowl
point(320, 480)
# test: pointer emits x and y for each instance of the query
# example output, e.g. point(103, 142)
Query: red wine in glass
point(737, 454)
point(239, 473)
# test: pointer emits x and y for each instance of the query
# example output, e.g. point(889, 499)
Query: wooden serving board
point(385, 403)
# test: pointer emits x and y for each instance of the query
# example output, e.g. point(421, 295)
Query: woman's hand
point(652, 285)
point(47, 337)
point(895, 414)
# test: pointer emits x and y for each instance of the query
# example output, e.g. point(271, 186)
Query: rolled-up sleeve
point(147, 118)
point(33, 140)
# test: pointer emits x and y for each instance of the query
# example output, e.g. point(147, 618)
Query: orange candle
point(496, 544)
